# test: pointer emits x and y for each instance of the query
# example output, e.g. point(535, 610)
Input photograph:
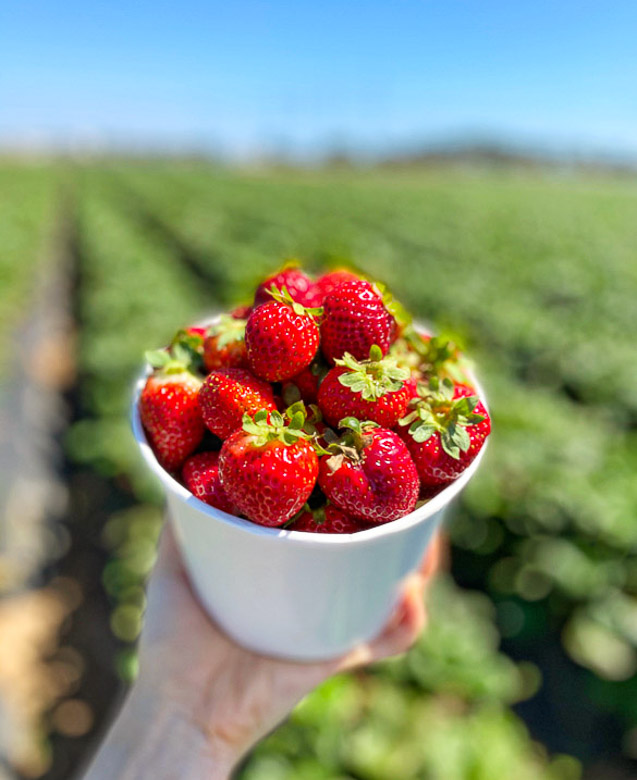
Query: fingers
point(434, 558)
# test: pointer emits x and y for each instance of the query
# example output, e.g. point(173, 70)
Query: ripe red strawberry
point(354, 319)
point(445, 431)
point(241, 312)
point(196, 330)
point(371, 476)
point(201, 475)
point(331, 280)
point(373, 389)
point(415, 377)
point(301, 288)
point(224, 345)
point(229, 393)
point(269, 467)
point(168, 404)
point(327, 520)
point(282, 338)
point(304, 386)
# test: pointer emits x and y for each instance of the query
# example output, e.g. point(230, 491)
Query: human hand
point(213, 699)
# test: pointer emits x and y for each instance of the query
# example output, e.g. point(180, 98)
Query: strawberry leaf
point(158, 358)
point(421, 431)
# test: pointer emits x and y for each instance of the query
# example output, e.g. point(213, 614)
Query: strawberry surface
point(328, 520)
point(281, 340)
point(301, 288)
point(354, 319)
point(372, 478)
point(224, 344)
point(268, 470)
point(169, 411)
point(306, 383)
point(330, 281)
point(200, 474)
point(229, 393)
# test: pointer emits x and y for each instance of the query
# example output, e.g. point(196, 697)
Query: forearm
point(150, 740)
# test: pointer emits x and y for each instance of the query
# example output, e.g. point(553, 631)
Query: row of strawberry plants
point(133, 292)
point(548, 528)
point(26, 218)
point(555, 257)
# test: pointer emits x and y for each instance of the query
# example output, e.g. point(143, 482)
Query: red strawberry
point(328, 520)
point(373, 389)
point(229, 393)
point(241, 312)
point(445, 431)
point(331, 280)
point(371, 476)
point(201, 475)
point(355, 318)
point(195, 330)
point(168, 404)
point(224, 345)
point(282, 338)
point(301, 288)
point(269, 468)
point(412, 383)
point(304, 386)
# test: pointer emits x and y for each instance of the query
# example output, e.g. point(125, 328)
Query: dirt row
point(57, 679)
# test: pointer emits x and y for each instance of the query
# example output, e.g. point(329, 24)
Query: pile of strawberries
point(319, 408)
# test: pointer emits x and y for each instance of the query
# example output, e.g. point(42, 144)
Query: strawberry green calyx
point(372, 378)
point(437, 411)
point(351, 444)
point(269, 426)
point(437, 356)
point(183, 354)
point(356, 433)
point(283, 296)
point(394, 307)
point(228, 330)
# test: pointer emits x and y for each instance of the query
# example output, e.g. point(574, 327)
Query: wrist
point(153, 738)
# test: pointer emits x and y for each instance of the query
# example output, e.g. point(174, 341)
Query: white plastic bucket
point(291, 594)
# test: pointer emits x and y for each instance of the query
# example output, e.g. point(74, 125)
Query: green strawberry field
point(528, 667)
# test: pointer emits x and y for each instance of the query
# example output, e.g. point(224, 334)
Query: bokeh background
point(156, 160)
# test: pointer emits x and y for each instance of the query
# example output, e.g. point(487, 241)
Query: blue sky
point(246, 76)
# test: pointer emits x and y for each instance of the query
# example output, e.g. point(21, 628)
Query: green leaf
point(350, 379)
point(375, 353)
point(261, 415)
point(298, 419)
point(448, 445)
point(352, 423)
point(409, 418)
point(158, 358)
point(461, 438)
point(294, 408)
point(421, 432)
